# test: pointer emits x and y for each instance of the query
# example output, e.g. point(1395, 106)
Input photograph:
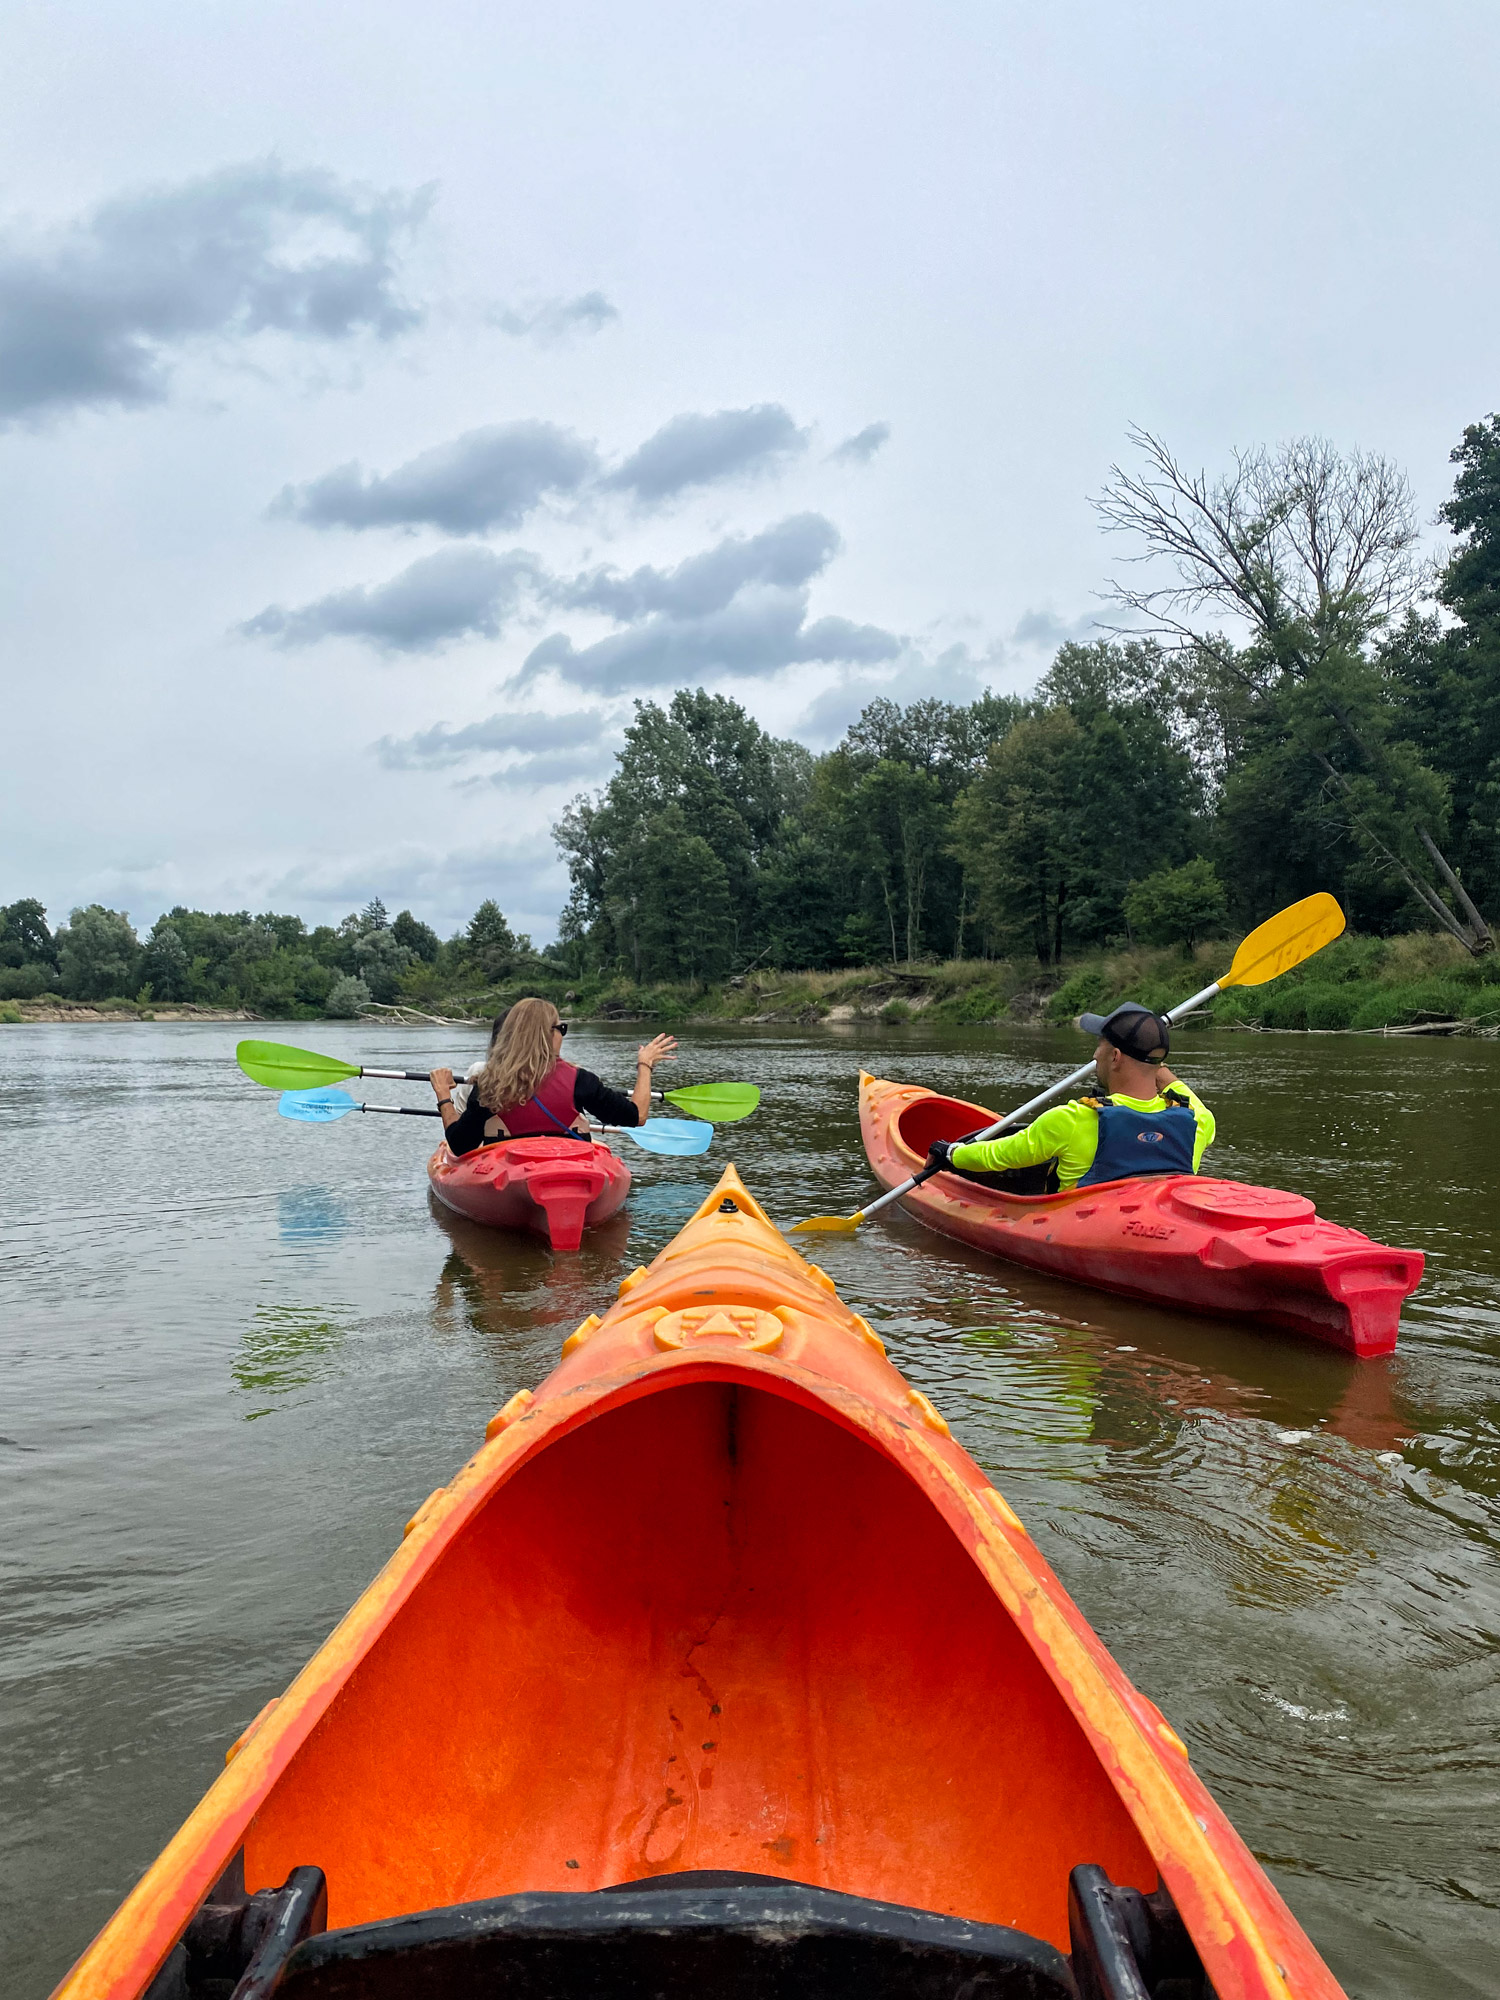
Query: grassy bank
point(1356, 983)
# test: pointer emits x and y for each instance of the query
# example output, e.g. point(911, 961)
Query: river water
point(235, 1353)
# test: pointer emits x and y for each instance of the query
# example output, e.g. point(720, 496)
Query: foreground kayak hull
point(722, 1602)
point(555, 1188)
point(1208, 1245)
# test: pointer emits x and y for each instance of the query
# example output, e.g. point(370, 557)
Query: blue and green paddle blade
point(283, 1068)
point(670, 1135)
point(316, 1107)
point(719, 1103)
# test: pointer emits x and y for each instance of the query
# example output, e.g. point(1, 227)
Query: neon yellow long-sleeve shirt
point(1069, 1134)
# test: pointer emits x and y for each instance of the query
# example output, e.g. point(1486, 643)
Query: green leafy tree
point(347, 999)
point(1178, 905)
point(799, 907)
point(417, 938)
point(98, 954)
point(490, 944)
point(683, 919)
point(380, 962)
point(1317, 552)
point(24, 936)
point(165, 965)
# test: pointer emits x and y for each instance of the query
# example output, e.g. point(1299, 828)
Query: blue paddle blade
point(316, 1107)
point(671, 1135)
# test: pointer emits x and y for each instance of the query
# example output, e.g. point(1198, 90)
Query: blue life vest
point(1135, 1143)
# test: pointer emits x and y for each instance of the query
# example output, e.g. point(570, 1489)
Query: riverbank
point(1417, 983)
point(1421, 983)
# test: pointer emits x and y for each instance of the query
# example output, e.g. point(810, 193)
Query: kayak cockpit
point(777, 1657)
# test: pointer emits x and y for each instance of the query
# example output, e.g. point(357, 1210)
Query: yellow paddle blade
point(1285, 940)
point(828, 1225)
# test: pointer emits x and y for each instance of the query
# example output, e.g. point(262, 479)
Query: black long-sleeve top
point(610, 1107)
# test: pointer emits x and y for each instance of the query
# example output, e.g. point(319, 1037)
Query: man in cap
point(1143, 1121)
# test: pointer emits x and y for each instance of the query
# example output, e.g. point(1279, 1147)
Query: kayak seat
point(734, 1936)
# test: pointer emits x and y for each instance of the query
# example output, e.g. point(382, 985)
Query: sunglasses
point(559, 1027)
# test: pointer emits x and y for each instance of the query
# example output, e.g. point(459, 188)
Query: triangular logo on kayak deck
point(746, 1326)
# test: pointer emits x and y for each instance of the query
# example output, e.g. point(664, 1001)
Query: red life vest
point(555, 1097)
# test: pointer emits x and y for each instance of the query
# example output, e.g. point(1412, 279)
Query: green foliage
point(1178, 905)
point(24, 936)
point(380, 961)
point(26, 982)
point(10, 1016)
point(894, 1012)
point(419, 939)
point(98, 954)
point(165, 965)
point(347, 999)
point(1068, 805)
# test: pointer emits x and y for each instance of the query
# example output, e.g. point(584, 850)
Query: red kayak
point(555, 1187)
point(1178, 1239)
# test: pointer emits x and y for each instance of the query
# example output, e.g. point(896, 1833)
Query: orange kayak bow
point(720, 1668)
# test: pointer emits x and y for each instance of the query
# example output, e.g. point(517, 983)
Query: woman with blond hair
point(526, 1090)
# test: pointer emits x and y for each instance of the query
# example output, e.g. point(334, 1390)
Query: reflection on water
point(288, 1347)
point(311, 1215)
point(1293, 1553)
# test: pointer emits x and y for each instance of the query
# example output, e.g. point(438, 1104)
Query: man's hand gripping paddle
point(1280, 943)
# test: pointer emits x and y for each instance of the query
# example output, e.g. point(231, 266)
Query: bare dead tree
point(1315, 550)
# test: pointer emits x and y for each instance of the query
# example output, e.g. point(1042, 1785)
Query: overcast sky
point(390, 395)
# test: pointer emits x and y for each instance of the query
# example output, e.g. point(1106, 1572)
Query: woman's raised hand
point(659, 1048)
point(442, 1082)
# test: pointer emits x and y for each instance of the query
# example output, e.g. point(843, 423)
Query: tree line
point(1341, 731)
point(271, 963)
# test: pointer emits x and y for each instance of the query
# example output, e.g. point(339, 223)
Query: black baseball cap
point(1134, 1030)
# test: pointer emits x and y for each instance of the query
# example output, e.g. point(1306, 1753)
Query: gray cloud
point(763, 630)
point(94, 312)
point(1044, 629)
point(488, 478)
point(789, 554)
point(862, 447)
point(553, 319)
point(696, 450)
point(955, 675)
point(439, 598)
point(528, 736)
point(525, 877)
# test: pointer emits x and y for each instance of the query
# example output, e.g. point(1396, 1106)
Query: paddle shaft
point(416, 1111)
point(1032, 1104)
point(425, 1076)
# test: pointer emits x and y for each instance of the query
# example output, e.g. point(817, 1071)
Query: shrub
point(894, 1012)
point(1396, 1006)
point(1330, 1007)
point(26, 982)
point(10, 1016)
point(1178, 905)
point(1286, 1009)
point(348, 999)
point(1081, 994)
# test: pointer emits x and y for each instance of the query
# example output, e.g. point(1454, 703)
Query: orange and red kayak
point(1177, 1239)
point(720, 1668)
point(556, 1188)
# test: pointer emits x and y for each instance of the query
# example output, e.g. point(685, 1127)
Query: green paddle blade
point(281, 1068)
point(719, 1103)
